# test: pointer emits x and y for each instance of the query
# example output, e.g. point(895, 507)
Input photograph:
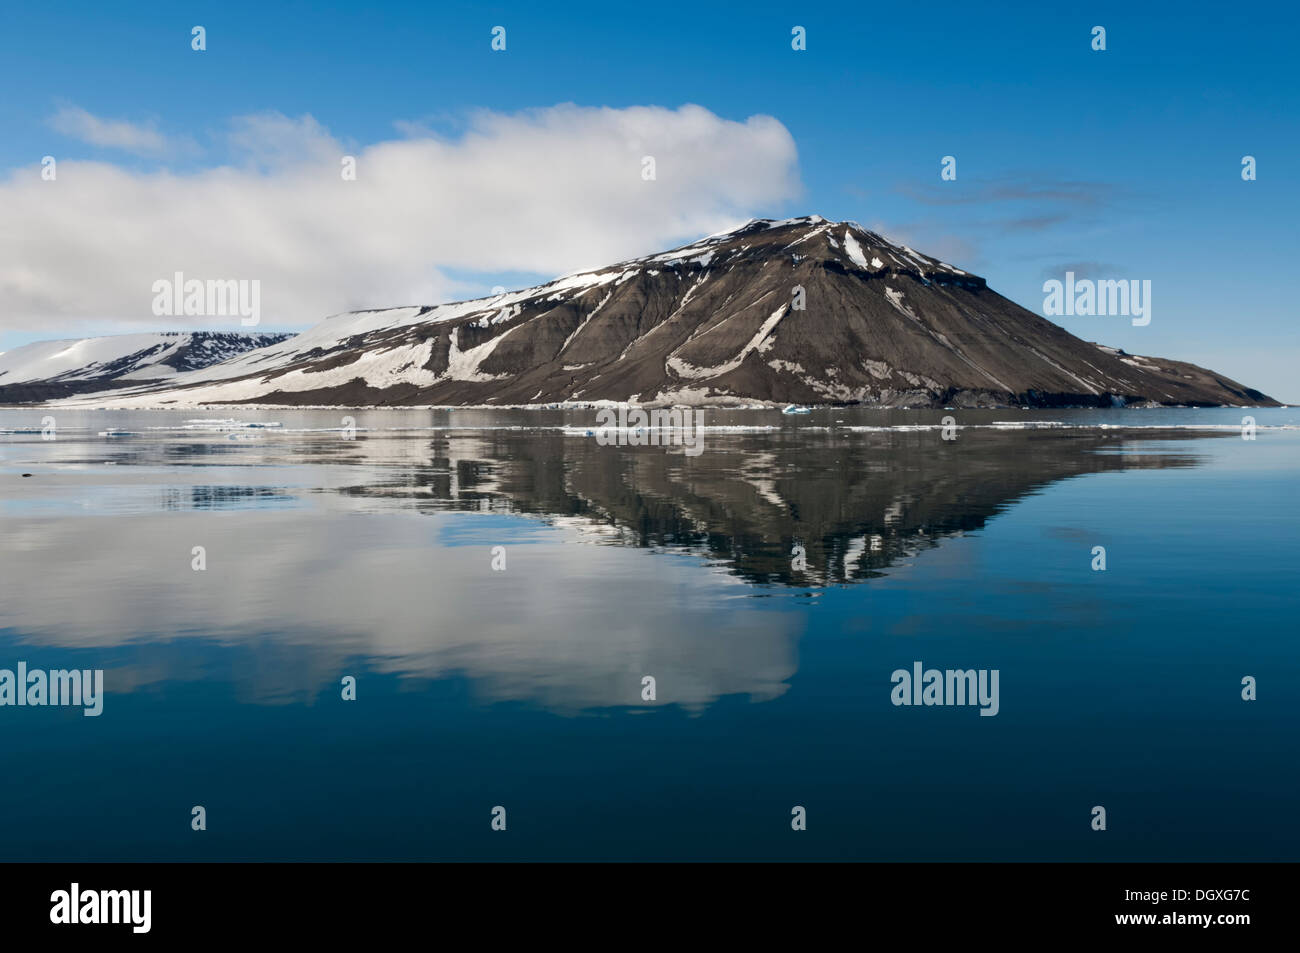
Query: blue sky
point(1121, 164)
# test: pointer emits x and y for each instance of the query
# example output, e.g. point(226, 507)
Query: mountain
point(49, 370)
point(713, 322)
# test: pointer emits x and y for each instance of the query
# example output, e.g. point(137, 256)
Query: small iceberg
point(796, 409)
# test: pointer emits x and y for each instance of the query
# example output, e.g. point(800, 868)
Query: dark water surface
point(373, 557)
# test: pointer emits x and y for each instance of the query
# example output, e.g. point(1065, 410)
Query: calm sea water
point(477, 687)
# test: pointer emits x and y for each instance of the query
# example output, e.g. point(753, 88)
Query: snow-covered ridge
point(145, 356)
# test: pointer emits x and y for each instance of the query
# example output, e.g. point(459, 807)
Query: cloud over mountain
point(544, 191)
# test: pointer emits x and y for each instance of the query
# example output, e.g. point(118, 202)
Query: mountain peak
point(799, 310)
point(809, 237)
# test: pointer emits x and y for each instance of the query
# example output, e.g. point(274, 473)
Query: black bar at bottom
point(604, 902)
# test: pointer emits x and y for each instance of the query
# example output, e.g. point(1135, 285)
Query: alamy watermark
point(76, 905)
point(661, 427)
point(930, 686)
point(177, 296)
point(83, 687)
point(1108, 297)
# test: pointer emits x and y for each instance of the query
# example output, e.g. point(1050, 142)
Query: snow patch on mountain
point(855, 251)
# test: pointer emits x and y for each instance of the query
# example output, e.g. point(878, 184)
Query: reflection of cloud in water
point(565, 626)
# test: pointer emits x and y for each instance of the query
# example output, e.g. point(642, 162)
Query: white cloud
point(137, 138)
point(273, 141)
point(546, 191)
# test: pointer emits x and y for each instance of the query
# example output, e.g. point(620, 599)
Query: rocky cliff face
point(802, 310)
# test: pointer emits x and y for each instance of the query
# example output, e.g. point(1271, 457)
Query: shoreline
point(614, 405)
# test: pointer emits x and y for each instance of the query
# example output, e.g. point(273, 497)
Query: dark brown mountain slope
point(718, 321)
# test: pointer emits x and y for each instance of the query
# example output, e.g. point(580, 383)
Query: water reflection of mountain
point(856, 502)
point(221, 497)
point(297, 590)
